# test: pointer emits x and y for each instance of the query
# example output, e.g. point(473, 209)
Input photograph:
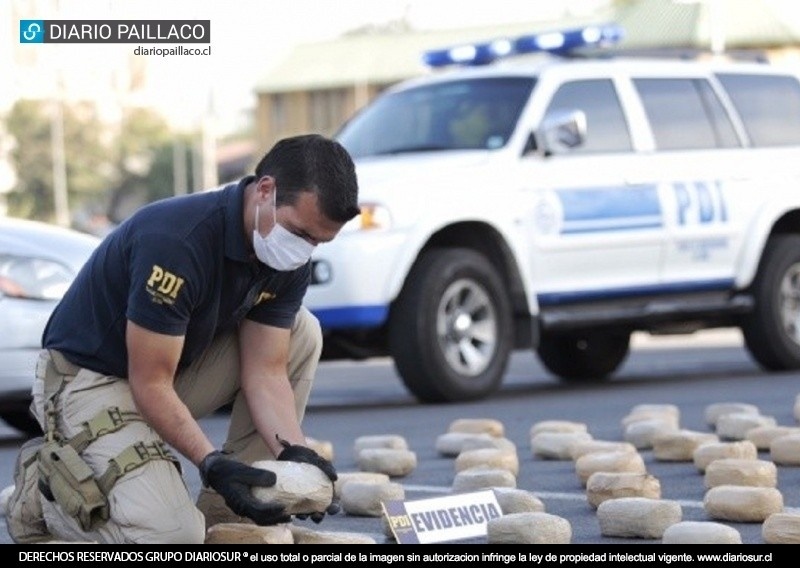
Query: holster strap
point(104, 422)
point(132, 457)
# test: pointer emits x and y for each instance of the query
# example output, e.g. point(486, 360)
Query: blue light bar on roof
point(557, 42)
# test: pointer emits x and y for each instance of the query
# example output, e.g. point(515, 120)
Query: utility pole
point(179, 182)
point(60, 190)
point(716, 14)
point(716, 23)
point(208, 145)
point(58, 144)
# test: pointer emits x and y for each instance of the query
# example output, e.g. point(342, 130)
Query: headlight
point(320, 272)
point(33, 278)
point(373, 216)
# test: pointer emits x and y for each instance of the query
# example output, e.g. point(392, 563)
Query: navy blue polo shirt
point(181, 266)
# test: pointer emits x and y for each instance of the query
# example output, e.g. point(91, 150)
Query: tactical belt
point(64, 475)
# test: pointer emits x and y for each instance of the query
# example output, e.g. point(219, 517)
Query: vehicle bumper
point(358, 291)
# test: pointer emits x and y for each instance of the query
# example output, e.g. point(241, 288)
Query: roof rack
point(561, 42)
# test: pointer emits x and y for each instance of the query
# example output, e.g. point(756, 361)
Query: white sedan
point(38, 262)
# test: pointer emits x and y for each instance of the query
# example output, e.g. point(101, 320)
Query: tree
point(87, 166)
point(111, 170)
point(31, 158)
point(145, 162)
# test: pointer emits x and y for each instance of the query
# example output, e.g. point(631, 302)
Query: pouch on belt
point(72, 485)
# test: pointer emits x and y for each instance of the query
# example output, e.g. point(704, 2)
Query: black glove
point(304, 454)
point(233, 480)
point(332, 509)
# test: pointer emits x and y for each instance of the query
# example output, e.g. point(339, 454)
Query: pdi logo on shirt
point(31, 31)
point(163, 285)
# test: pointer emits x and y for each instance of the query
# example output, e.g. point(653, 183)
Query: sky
point(248, 37)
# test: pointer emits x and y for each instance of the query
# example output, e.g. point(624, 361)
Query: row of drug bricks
point(740, 486)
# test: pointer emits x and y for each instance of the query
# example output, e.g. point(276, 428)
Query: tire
point(772, 331)
point(450, 331)
point(581, 357)
point(23, 421)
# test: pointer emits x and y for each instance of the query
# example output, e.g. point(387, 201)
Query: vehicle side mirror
point(531, 147)
point(561, 131)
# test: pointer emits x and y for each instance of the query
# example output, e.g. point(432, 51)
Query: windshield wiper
point(410, 149)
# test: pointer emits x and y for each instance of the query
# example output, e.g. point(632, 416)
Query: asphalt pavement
point(351, 400)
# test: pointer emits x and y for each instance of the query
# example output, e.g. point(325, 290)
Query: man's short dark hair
point(312, 162)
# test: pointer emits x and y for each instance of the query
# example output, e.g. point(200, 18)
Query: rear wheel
point(584, 356)
point(450, 331)
point(772, 331)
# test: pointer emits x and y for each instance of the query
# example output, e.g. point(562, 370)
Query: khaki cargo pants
point(152, 504)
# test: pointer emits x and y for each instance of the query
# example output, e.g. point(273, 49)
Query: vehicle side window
point(769, 106)
point(685, 114)
point(606, 128)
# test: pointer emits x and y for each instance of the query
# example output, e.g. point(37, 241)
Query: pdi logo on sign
point(31, 31)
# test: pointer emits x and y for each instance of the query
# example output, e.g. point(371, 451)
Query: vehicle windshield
point(468, 114)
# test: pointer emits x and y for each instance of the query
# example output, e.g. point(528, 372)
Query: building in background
point(320, 85)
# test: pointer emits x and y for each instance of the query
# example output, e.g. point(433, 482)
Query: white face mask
point(280, 249)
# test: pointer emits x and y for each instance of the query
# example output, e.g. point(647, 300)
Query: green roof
point(378, 56)
point(744, 24)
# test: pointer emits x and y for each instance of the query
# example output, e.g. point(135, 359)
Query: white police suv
point(559, 205)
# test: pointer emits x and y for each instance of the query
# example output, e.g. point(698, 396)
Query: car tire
point(586, 356)
point(450, 331)
point(772, 331)
point(22, 421)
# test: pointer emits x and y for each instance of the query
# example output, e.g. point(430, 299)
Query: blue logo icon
point(31, 31)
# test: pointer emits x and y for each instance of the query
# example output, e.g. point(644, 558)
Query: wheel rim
point(790, 303)
point(466, 325)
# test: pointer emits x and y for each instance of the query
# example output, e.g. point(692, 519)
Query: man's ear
point(264, 188)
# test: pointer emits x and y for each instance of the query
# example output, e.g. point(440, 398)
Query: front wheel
point(450, 332)
point(584, 356)
point(772, 331)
